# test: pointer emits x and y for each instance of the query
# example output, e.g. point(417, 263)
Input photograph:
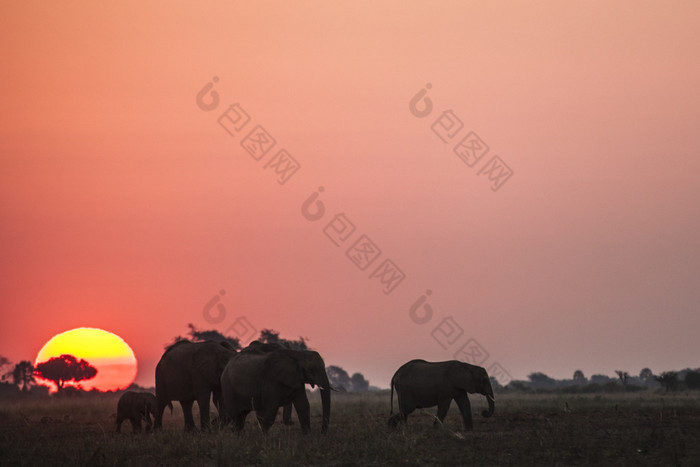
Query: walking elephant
point(136, 406)
point(189, 372)
point(266, 380)
point(264, 348)
point(421, 384)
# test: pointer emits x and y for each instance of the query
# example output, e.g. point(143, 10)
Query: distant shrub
point(669, 379)
point(692, 379)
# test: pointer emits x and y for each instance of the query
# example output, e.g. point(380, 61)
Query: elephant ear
point(204, 365)
point(281, 366)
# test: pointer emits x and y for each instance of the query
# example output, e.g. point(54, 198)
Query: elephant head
point(474, 379)
point(294, 368)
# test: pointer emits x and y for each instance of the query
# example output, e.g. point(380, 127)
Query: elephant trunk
point(492, 406)
point(489, 397)
point(325, 388)
point(326, 405)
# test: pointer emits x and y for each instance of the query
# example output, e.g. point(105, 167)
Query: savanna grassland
point(614, 429)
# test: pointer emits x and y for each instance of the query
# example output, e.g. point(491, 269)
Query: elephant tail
point(391, 404)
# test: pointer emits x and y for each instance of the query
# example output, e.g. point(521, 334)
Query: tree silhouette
point(579, 378)
point(692, 379)
point(23, 375)
point(270, 336)
point(4, 374)
point(601, 379)
point(540, 380)
point(623, 375)
point(65, 368)
point(338, 378)
point(195, 335)
point(669, 379)
point(646, 375)
point(359, 383)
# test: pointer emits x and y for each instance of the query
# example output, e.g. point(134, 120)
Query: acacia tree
point(646, 375)
point(623, 375)
point(540, 380)
point(65, 368)
point(23, 375)
point(579, 377)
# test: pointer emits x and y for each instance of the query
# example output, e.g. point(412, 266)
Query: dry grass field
point(624, 429)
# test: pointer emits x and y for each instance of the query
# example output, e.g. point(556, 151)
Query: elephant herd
point(264, 377)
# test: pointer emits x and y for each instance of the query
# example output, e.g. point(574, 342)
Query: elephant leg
point(466, 409)
point(187, 411)
point(259, 408)
point(394, 420)
point(268, 419)
point(203, 403)
point(266, 414)
point(149, 423)
point(237, 409)
point(287, 415)
point(239, 420)
point(443, 407)
point(405, 409)
point(136, 424)
point(159, 414)
point(301, 404)
point(119, 424)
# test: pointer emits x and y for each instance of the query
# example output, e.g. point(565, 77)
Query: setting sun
point(108, 353)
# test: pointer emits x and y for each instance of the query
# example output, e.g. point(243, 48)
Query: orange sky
point(126, 207)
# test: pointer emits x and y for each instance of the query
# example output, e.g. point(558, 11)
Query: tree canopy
point(23, 375)
point(270, 336)
point(65, 368)
point(668, 379)
point(4, 374)
point(338, 378)
point(358, 382)
point(195, 335)
point(341, 380)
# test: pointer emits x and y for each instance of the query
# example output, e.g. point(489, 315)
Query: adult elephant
point(266, 380)
point(421, 384)
point(265, 348)
point(189, 372)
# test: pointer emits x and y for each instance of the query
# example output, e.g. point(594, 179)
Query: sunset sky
point(128, 203)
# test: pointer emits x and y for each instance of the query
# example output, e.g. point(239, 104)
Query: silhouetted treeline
point(195, 335)
point(337, 376)
point(342, 381)
point(267, 336)
point(538, 382)
point(58, 370)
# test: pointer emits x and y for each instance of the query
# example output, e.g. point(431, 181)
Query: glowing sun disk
point(113, 358)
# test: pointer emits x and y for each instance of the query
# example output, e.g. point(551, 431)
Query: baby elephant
point(136, 406)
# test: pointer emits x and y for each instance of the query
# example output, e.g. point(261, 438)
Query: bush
point(692, 379)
